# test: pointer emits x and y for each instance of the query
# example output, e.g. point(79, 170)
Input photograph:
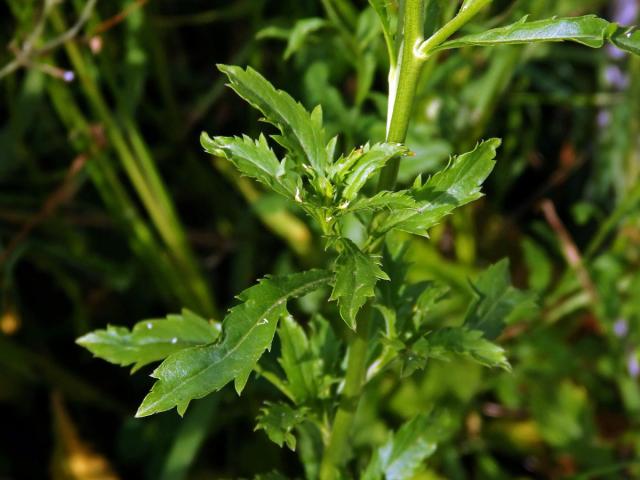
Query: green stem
point(402, 90)
point(333, 456)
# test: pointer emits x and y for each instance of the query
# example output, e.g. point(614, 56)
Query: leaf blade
point(248, 331)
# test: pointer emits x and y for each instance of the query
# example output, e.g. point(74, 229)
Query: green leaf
point(456, 185)
point(300, 32)
point(386, 200)
point(403, 455)
point(588, 30)
point(248, 331)
point(150, 340)
point(356, 276)
point(278, 420)
point(446, 343)
point(255, 159)
point(295, 36)
point(367, 162)
point(301, 367)
point(302, 132)
point(627, 39)
point(496, 300)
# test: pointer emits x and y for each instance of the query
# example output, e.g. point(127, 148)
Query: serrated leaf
point(403, 455)
point(450, 188)
point(255, 159)
point(587, 30)
point(369, 160)
point(248, 331)
point(150, 340)
point(278, 420)
point(302, 132)
point(496, 300)
point(385, 200)
point(446, 343)
point(300, 365)
point(356, 276)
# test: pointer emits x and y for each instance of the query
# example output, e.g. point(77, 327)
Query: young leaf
point(356, 276)
point(255, 159)
point(278, 420)
point(248, 331)
point(301, 367)
point(302, 132)
point(456, 185)
point(402, 456)
point(150, 340)
point(496, 300)
point(588, 30)
point(369, 161)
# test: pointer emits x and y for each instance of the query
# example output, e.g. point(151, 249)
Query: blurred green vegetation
point(110, 213)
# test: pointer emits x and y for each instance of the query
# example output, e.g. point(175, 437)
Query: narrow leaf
point(496, 300)
point(150, 340)
point(248, 331)
point(356, 276)
point(588, 30)
point(302, 132)
point(301, 367)
point(456, 185)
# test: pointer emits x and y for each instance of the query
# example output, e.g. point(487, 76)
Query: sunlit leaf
point(248, 331)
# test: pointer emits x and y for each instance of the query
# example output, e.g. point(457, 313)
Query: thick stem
point(402, 86)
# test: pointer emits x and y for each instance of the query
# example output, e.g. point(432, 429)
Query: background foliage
point(110, 213)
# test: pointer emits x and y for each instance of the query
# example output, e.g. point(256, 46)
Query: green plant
point(385, 316)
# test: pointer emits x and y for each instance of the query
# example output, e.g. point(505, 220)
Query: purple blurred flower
point(68, 76)
point(621, 328)
point(633, 366)
point(625, 12)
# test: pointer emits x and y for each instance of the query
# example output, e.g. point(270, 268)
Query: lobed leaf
point(248, 331)
point(278, 420)
point(255, 159)
point(496, 300)
point(450, 188)
point(150, 340)
point(302, 132)
point(356, 276)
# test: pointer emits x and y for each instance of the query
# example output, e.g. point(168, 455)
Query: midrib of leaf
point(264, 314)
